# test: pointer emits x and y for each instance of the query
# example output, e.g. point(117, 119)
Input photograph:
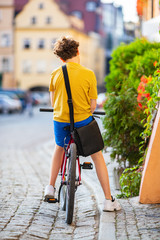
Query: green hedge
point(122, 123)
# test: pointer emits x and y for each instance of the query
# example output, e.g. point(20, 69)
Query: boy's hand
point(93, 105)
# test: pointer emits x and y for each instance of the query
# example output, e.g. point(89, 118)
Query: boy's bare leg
point(56, 164)
point(102, 173)
point(98, 160)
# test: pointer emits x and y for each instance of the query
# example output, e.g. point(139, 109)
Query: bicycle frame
point(64, 164)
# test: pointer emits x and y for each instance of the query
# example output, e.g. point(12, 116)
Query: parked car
point(41, 98)
point(9, 105)
point(101, 100)
point(16, 94)
point(45, 98)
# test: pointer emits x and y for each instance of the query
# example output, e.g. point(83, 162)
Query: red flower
point(139, 97)
point(144, 79)
point(140, 105)
point(141, 87)
point(158, 71)
point(146, 95)
point(154, 64)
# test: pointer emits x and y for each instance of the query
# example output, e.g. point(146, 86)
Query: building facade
point(6, 43)
point(150, 9)
point(37, 27)
point(113, 27)
point(87, 10)
point(150, 19)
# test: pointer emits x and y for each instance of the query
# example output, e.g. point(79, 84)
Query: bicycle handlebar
point(46, 109)
point(51, 110)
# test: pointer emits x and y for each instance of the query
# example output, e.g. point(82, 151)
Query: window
point(109, 16)
point(78, 14)
point(26, 43)
point(48, 20)
point(53, 42)
point(33, 20)
point(41, 43)
point(109, 41)
point(26, 66)
point(91, 6)
point(41, 66)
point(5, 65)
point(119, 22)
point(5, 40)
point(41, 6)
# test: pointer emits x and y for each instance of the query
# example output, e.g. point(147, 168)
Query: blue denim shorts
point(61, 134)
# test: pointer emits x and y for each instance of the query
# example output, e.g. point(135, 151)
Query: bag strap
point(70, 104)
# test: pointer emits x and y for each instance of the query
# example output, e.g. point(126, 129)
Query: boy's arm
point(51, 97)
point(93, 105)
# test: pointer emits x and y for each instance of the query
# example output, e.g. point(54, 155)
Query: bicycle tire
point(70, 191)
point(63, 197)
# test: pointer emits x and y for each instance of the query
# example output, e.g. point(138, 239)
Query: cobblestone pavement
point(134, 222)
point(138, 221)
point(24, 173)
point(24, 215)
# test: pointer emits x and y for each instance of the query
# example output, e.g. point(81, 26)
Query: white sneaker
point(49, 192)
point(111, 205)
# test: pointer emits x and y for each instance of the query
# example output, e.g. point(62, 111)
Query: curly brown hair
point(66, 48)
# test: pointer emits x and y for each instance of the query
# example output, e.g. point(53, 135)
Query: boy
point(84, 94)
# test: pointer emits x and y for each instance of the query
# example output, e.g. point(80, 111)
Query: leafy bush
point(123, 121)
point(152, 88)
point(130, 182)
point(123, 127)
point(133, 85)
point(130, 62)
point(143, 65)
point(148, 90)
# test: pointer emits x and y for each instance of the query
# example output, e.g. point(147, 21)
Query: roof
point(19, 4)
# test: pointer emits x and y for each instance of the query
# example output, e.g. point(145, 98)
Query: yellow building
point(37, 27)
point(6, 43)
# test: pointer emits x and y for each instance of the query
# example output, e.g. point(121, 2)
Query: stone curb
point(107, 219)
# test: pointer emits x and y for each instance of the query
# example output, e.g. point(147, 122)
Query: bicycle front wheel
point(63, 197)
point(71, 175)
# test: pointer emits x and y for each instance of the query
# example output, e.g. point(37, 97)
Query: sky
point(129, 8)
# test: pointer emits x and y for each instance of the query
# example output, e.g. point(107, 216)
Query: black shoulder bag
point(88, 138)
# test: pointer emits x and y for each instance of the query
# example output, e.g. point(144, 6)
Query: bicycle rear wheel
point(70, 191)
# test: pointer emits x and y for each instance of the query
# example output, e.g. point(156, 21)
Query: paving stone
point(61, 236)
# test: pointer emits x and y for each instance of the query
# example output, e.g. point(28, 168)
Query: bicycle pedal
point(52, 200)
point(87, 165)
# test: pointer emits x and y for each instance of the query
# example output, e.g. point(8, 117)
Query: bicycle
point(70, 180)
